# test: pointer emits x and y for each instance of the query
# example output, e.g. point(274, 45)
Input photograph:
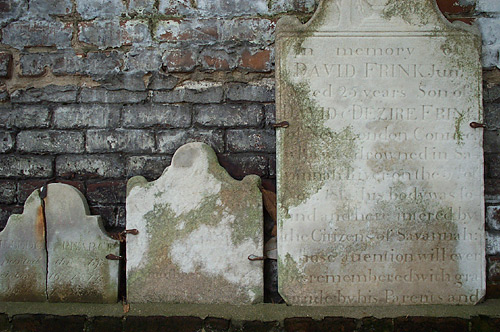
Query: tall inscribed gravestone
point(380, 174)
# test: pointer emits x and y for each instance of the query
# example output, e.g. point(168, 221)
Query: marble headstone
point(23, 259)
point(380, 174)
point(77, 243)
point(197, 226)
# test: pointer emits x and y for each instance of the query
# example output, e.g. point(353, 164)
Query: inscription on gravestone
point(197, 227)
point(380, 175)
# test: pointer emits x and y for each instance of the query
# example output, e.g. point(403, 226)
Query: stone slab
point(380, 176)
point(197, 226)
point(23, 257)
point(77, 244)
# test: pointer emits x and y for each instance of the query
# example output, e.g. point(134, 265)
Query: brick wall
point(93, 92)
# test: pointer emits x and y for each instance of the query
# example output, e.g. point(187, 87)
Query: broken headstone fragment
point(197, 228)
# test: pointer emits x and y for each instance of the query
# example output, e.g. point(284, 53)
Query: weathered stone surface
point(380, 175)
point(22, 34)
point(197, 226)
point(77, 244)
point(5, 64)
point(44, 8)
point(23, 258)
point(90, 9)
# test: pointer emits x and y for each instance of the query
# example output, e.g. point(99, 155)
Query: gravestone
point(23, 259)
point(197, 227)
point(380, 174)
point(77, 243)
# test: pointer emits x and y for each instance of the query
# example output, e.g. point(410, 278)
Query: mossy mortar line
point(261, 312)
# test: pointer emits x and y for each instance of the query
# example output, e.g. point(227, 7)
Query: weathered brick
point(25, 116)
point(179, 60)
point(269, 115)
point(426, 324)
point(8, 191)
point(233, 7)
point(251, 92)
point(26, 166)
point(50, 141)
point(90, 166)
point(192, 30)
point(113, 217)
point(490, 27)
point(6, 211)
point(254, 326)
point(11, 10)
point(90, 9)
point(113, 33)
point(144, 60)
point(272, 166)
point(256, 60)
point(63, 323)
point(142, 6)
point(491, 141)
point(4, 94)
point(492, 162)
point(239, 166)
point(176, 7)
point(492, 115)
point(26, 188)
point(151, 167)
point(251, 140)
point(492, 243)
point(339, 324)
point(160, 81)
point(107, 192)
point(283, 6)
point(490, 6)
point(5, 65)
point(124, 81)
point(27, 323)
point(4, 323)
point(213, 324)
point(371, 324)
point(227, 115)
point(145, 324)
point(46, 8)
point(108, 324)
point(300, 325)
point(86, 116)
point(485, 324)
point(32, 33)
point(34, 64)
point(192, 92)
point(257, 31)
point(100, 95)
point(184, 324)
point(133, 141)
point(213, 59)
point(170, 140)
point(493, 217)
point(51, 93)
point(99, 64)
point(493, 268)
point(7, 141)
point(157, 115)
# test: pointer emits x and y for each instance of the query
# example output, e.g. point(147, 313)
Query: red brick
point(453, 7)
point(426, 324)
point(179, 61)
point(259, 61)
point(187, 30)
point(216, 63)
point(27, 187)
point(107, 192)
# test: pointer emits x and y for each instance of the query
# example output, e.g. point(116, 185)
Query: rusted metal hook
point(112, 257)
point(256, 258)
point(476, 125)
point(282, 124)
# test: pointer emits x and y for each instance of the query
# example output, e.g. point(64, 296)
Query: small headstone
point(380, 174)
point(197, 226)
point(78, 270)
point(23, 264)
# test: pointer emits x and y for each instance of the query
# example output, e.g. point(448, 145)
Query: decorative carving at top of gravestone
point(197, 227)
point(78, 270)
point(380, 175)
point(23, 265)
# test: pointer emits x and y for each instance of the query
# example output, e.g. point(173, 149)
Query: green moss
point(308, 132)
point(416, 12)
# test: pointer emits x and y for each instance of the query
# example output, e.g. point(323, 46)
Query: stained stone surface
point(380, 176)
point(23, 267)
point(78, 270)
point(197, 227)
